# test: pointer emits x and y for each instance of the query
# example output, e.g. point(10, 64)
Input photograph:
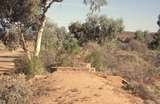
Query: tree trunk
point(24, 46)
point(39, 37)
point(42, 25)
point(23, 43)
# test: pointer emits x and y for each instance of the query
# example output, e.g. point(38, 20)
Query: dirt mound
point(80, 87)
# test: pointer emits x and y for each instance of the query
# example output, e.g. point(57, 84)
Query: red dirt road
point(80, 87)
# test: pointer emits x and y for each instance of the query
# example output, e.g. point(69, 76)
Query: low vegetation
point(15, 90)
point(29, 67)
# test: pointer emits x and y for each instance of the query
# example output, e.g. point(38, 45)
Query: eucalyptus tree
point(20, 13)
point(46, 4)
point(96, 28)
point(33, 12)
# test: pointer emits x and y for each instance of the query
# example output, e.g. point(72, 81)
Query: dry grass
point(138, 65)
point(14, 90)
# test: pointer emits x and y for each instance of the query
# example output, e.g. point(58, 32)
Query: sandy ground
point(80, 87)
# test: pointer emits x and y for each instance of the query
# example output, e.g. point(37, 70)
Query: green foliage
point(24, 11)
point(29, 13)
point(155, 44)
point(141, 36)
point(52, 36)
point(70, 44)
point(102, 57)
point(95, 4)
point(58, 46)
point(158, 33)
point(14, 90)
point(11, 39)
point(16, 17)
point(96, 28)
point(97, 60)
point(30, 67)
point(57, 38)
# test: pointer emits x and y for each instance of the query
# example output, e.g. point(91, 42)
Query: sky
point(136, 14)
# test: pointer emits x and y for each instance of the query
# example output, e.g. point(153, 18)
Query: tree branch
point(49, 5)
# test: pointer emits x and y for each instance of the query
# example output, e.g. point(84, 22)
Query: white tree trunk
point(41, 28)
point(39, 38)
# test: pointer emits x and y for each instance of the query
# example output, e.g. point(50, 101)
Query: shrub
point(54, 58)
point(10, 38)
point(97, 60)
point(14, 90)
point(96, 28)
point(29, 67)
point(135, 45)
point(68, 60)
point(141, 35)
point(70, 45)
point(139, 68)
point(49, 57)
point(58, 47)
point(102, 58)
point(148, 92)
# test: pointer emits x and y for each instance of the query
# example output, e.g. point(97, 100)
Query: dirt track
point(72, 87)
point(80, 87)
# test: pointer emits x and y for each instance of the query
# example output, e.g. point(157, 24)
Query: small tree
point(97, 28)
point(53, 37)
point(20, 13)
point(155, 44)
point(141, 35)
